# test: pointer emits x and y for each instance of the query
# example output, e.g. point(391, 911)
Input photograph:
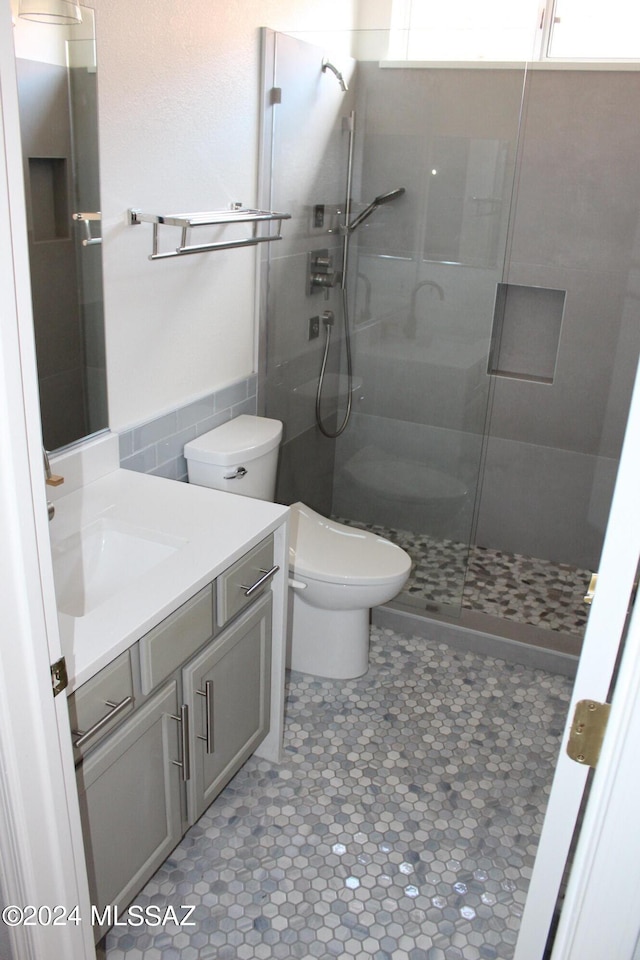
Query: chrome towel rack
point(185, 221)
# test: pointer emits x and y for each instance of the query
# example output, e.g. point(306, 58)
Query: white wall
point(179, 115)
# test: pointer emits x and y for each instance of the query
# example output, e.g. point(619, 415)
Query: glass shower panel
point(568, 353)
point(83, 100)
point(306, 138)
point(423, 277)
point(493, 317)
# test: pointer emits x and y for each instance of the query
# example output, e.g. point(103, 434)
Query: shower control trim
point(321, 275)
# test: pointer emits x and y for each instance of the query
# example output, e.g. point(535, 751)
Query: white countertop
point(214, 529)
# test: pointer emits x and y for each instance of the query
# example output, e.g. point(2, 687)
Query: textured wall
point(179, 118)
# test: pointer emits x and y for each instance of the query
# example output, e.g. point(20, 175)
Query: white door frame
point(40, 832)
point(618, 567)
point(40, 835)
point(600, 916)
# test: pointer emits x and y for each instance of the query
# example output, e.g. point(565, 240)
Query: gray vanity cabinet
point(228, 686)
point(130, 796)
point(162, 729)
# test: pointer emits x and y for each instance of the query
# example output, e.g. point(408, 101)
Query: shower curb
point(483, 634)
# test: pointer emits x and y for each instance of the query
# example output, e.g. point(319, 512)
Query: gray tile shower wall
point(305, 470)
point(556, 505)
point(156, 446)
point(554, 438)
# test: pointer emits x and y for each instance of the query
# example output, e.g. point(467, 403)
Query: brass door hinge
point(588, 598)
point(59, 678)
point(587, 731)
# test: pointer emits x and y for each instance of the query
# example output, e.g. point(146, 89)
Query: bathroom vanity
point(176, 669)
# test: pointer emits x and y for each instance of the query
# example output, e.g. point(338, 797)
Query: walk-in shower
point(494, 337)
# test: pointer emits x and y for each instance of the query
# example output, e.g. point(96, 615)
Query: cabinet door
point(130, 802)
point(228, 688)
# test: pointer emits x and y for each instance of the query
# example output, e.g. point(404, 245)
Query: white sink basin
point(96, 563)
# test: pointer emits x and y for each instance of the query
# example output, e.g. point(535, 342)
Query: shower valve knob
point(321, 276)
point(323, 280)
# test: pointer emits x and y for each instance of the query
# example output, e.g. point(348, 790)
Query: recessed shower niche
point(48, 183)
point(526, 332)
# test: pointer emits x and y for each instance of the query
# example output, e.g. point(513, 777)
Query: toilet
point(336, 572)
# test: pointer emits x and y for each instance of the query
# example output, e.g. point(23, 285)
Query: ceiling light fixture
point(50, 11)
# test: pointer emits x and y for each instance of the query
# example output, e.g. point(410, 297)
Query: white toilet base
point(328, 643)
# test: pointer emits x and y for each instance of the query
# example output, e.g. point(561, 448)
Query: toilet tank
point(240, 456)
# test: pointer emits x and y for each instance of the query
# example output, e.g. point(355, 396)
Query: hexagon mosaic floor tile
point(401, 825)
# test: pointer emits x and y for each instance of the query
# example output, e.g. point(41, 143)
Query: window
point(469, 30)
point(585, 29)
point(515, 30)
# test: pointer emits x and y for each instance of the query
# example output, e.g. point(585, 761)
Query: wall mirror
point(57, 79)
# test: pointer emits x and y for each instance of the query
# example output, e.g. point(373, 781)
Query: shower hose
point(327, 343)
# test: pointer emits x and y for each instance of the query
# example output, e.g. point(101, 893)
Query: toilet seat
point(332, 552)
point(337, 573)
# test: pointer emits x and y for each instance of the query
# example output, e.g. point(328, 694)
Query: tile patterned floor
point(402, 824)
point(510, 586)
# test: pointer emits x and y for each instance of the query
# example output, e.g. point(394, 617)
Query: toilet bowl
point(337, 573)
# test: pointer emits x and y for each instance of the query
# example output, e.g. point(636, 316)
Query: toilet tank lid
point(243, 438)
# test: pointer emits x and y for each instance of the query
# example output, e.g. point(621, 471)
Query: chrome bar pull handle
point(183, 720)
point(266, 575)
point(237, 474)
point(207, 693)
point(115, 711)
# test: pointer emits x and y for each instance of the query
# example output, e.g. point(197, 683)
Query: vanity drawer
point(245, 580)
point(177, 638)
point(100, 703)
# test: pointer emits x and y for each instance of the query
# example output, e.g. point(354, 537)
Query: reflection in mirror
point(57, 76)
point(464, 206)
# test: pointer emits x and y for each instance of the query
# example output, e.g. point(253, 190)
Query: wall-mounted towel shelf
point(214, 218)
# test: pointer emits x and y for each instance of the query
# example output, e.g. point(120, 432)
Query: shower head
point(326, 65)
point(383, 198)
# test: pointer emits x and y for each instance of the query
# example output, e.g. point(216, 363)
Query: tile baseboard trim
point(486, 635)
point(156, 446)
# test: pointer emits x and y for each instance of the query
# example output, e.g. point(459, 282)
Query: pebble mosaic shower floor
point(401, 825)
point(505, 585)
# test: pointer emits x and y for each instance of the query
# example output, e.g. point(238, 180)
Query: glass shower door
point(421, 282)
point(423, 278)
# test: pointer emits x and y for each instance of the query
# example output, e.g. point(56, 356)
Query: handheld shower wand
point(383, 198)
